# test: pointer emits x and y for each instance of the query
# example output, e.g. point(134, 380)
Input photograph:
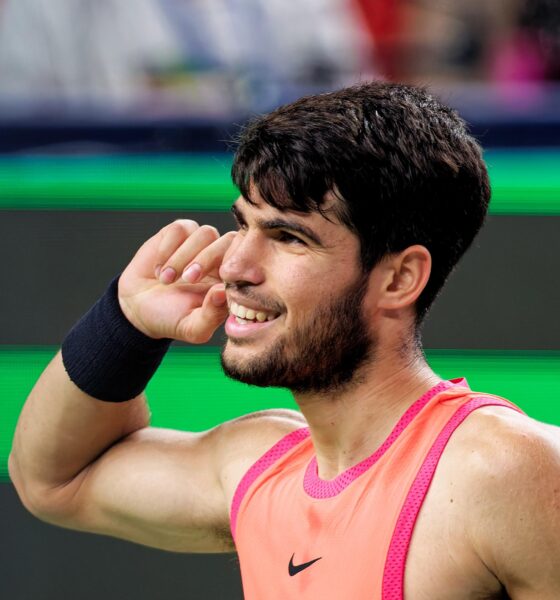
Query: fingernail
point(157, 271)
point(192, 274)
point(168, 275)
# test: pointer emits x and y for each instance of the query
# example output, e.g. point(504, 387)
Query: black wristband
point(106, 356)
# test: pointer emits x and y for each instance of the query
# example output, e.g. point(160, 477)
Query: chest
point(344, 547)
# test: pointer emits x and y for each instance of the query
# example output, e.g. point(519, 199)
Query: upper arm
point(168, 489)
point(515, 512)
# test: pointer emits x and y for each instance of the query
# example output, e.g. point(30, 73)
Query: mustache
point(248, 292)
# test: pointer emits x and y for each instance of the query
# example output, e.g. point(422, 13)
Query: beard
point(321, 356)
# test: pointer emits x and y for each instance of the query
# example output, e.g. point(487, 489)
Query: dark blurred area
point(112, 75)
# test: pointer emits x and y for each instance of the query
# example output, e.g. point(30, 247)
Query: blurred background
point(117, 117)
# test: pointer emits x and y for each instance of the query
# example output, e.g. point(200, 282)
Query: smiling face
point(295, 291)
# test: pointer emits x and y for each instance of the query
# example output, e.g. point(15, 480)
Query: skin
point(491, 521)
point(321, 351)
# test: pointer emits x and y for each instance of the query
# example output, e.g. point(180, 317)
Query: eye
point(288, 238)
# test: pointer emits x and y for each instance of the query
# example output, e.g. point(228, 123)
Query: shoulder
point(262, 427)
point(509, 468)
point(497, 444)
point(241, 442)
point(502, 451)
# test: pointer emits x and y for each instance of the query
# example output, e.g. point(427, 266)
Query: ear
point(405, 275)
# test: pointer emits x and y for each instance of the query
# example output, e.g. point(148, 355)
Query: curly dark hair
point(403, 165)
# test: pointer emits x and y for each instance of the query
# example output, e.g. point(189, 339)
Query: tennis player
point(390, 483)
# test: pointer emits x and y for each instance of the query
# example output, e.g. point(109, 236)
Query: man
point(391, 483)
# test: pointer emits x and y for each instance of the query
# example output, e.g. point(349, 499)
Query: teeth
point(245, 314)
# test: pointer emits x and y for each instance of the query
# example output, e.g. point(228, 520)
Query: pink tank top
point(300, 537)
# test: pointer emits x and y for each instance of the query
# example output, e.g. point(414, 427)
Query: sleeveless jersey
point(303, 538)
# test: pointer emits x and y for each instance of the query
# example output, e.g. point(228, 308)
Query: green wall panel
point(524, 182)
point(190, 392)
point(113, 182)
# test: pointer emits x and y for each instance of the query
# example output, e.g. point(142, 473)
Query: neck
point(348, 425)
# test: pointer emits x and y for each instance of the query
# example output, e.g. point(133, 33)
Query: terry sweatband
point(106, 356)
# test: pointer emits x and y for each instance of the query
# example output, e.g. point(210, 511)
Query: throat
point(347, 432)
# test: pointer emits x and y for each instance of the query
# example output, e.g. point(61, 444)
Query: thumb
point(217, 294)
point(203, 321)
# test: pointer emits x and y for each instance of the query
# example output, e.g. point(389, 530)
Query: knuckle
point(188, 224)
point(208, 232)
point(174, 230)
point(180, 229)
point(174, 235)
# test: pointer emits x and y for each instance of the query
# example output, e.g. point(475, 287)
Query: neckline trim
point(318, 488)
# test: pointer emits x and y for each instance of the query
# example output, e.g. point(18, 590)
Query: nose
point(242, 263)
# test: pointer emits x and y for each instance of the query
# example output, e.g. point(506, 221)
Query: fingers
point(200, 255)
point(203, 321)
point(171, 237)
point(208, 260)
point(189, 311)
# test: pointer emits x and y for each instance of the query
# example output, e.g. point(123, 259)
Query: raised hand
point(171, 288)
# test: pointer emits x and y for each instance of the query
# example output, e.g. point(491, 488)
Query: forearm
point(61, 430)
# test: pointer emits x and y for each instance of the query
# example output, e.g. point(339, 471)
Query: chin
point(236, 367)
point(238, 355)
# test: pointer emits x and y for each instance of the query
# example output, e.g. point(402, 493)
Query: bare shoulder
point(509, 476)
point(499, 451)
point(496, 444)
point(241, 442)
point(283, 418)
point(264, 426)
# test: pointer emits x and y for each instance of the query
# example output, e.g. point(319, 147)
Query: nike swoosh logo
point(295, 569)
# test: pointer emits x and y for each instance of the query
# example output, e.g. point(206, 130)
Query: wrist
point(106, 356)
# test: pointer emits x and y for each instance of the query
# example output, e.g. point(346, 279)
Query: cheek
point(301, 294)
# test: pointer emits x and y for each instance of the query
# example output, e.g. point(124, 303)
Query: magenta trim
point(393, 576)
point(263, 463)
point(318, 488)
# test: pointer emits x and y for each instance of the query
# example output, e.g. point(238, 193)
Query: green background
point(522, 182)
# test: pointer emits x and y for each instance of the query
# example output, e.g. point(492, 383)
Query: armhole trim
point(279, 449)
point(393, 575)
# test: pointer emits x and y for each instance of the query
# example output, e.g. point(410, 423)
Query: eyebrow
point(270, 224)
